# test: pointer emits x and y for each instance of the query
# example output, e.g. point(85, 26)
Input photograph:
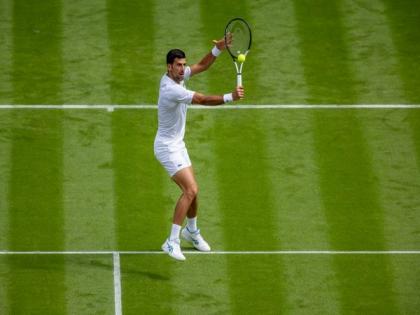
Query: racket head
point(238, 37)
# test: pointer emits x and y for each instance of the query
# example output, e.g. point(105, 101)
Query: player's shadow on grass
point(146, 274)
point(94, 263)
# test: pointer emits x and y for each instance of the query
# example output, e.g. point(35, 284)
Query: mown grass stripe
point(349, 194)
point(6, 26)
point(89, 284)
point(248, 209)
point(88, 155)
point(85, 53)
point(324, 63)
point(354, 214)
point(37, 70)
point(387, 131)
point(140, 202)
point(35, 192)
point(414, 120)
point(394, 162)
point(372, 52)
point(221, 79)
point(137, 183)
point(275, 29)
point(140, 197)
point(138, 176)
point(6, 123)
point(87, 160)
point(201, 151)
point(6, 90)
point(398, 176)
point(87, 137)
point(36, 172)
point(292, 165)
point(5, 162)
point(5, 147)
point(4, 274)
point(138, 186)
point(294, 182)
point(133, 67)
point(404, 19)
point(387, 134)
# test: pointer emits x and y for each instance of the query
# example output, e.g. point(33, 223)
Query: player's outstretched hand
point(239, 93)
point(221, 44)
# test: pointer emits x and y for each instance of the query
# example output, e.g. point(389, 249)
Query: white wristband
point(216, 51)
point(228, 98)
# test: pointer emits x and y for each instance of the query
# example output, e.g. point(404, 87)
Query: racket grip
point(239, 79)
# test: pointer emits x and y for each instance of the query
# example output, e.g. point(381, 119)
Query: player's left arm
point(212, 100)
point(208, 59)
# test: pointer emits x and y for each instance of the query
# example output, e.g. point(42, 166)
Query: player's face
point(176, 69)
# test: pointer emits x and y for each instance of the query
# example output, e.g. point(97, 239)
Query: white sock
point(192, 224)
point(175, 230)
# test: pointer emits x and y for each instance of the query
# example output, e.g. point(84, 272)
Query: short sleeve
point(180, 94)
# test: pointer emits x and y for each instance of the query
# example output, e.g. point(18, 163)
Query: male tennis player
point(169, 146)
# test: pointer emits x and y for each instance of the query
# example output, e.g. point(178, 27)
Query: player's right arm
point(208, 59)
point(212, 100)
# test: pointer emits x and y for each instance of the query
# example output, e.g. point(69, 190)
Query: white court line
point(117, 283)
point(190, 252)
point(111, 108)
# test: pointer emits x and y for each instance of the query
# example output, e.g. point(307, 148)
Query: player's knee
point(191, 192)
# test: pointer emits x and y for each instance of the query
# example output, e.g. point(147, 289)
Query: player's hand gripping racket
point(238, 40)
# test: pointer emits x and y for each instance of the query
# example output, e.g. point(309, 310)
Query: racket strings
point(240, 35)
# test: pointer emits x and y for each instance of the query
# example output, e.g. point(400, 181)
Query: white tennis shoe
point(173, 249)
point(196, 239)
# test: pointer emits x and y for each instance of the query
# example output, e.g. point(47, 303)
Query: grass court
point(309, 209)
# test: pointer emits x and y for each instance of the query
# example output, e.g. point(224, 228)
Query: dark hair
point(174, 53)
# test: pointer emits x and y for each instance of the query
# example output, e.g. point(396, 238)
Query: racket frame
point(238, 65)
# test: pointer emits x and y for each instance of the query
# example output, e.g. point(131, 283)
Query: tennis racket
point(238, 40)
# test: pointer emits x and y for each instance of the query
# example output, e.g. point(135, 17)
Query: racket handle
point(239, 79)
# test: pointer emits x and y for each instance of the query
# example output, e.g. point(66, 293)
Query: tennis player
point(169, 146)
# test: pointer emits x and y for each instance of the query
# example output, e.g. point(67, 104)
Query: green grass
point(138, 211)
point(269, 179)
point(39, 136)
point(37, 55)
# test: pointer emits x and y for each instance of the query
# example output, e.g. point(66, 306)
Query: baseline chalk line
point(110, 107)
point(116, 254)
point(117, 283)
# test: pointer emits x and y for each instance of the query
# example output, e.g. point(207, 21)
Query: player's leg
point(178, 165)
point(187, 202)
point(192, 211)
point(192, 215)
point(186, 181)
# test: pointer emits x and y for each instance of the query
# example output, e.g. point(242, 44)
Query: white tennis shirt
point(172, 112)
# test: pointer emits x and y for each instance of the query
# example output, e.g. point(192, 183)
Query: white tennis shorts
point(173, 161)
